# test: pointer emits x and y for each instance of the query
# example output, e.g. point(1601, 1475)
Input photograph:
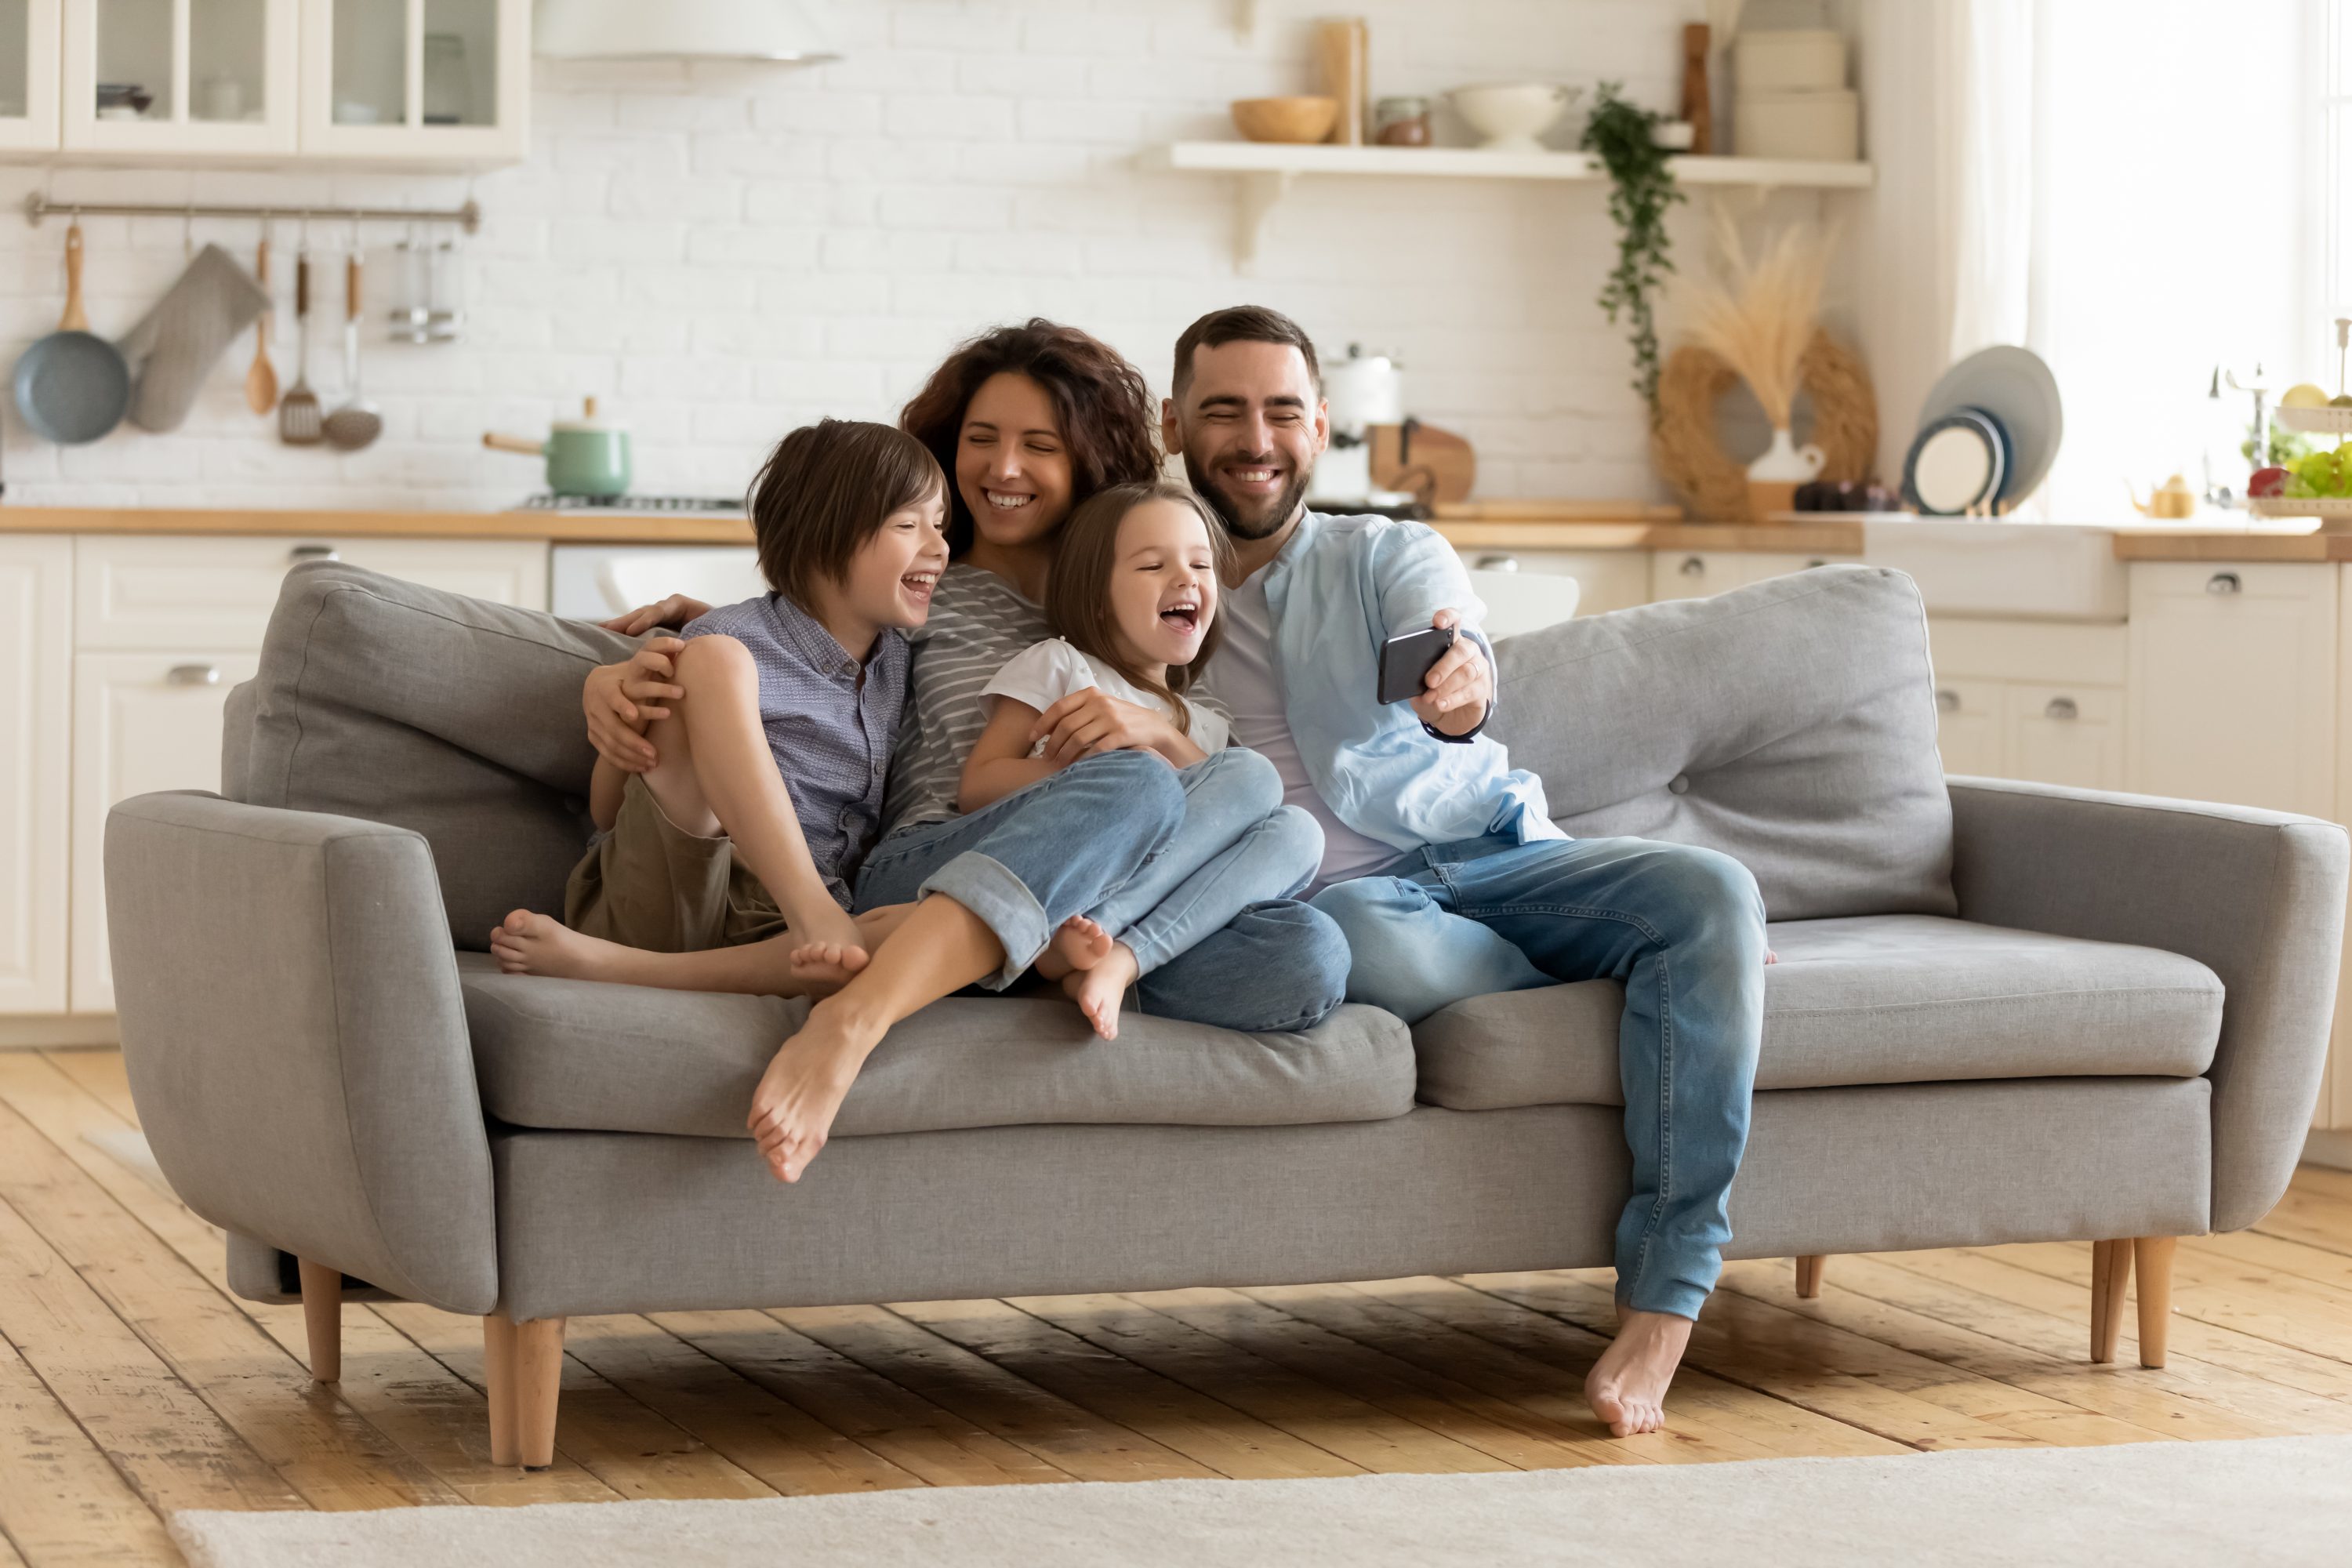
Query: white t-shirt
point(1044, 673)
point(1241, 680)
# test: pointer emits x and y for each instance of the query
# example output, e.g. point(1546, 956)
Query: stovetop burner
point(704, 505)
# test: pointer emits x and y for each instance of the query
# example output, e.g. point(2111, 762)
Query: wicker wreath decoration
point(1712, 483)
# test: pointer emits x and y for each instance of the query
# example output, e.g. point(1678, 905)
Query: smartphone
point(1406, 660)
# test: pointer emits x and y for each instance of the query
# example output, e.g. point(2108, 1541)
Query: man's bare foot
point(1771, 957)
point(821, 968)
point(1627, 1387)
point(1079, 944)
point(800, 1092)
point(1101, 988)
point(528, 943)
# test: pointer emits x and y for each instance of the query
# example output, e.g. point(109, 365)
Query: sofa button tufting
point(1679, 784)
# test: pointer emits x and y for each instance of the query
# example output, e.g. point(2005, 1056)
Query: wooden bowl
point(1285, 119)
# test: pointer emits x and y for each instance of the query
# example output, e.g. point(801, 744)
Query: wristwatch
point(1467, 736)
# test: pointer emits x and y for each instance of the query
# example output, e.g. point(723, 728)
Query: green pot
point(585, 457)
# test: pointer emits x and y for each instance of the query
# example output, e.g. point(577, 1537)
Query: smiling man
point(1442, 862)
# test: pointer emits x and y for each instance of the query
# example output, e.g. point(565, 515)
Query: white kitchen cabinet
point(2066, 735)
point(29, 70)
point(1698, 573)
point(1969, 720)
point(406, 81)
point(2233, 684)
point(36, 643)
point(219, 75)
point(1605, 579)
point(2037, 700)
point(142, 721)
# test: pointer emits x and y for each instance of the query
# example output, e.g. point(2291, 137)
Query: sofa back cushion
point(1790, 724)
point(460, 719)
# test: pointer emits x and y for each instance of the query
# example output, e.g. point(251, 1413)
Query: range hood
point(779, 30)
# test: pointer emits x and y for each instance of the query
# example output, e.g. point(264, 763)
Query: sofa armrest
point(294, 1038)
point(2257, 897)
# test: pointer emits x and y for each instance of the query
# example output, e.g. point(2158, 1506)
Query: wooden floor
point(132, 1383)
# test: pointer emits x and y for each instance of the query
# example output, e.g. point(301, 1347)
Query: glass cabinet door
point(28, 73)
point(417, 79)
point(179, 75)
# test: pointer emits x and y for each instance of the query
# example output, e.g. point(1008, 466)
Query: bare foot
point(1627, 1387)
point(875, 926)
point(1079, 944)
point(1099, 990)
point(528, 943)
point(800, 1092)
point(1771, 957)
point(821, 968)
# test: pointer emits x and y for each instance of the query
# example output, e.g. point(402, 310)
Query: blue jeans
point(1682, 928)
point(1027, 863)
point(1236, 845)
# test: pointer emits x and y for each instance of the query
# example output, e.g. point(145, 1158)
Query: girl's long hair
point(1106, 413)
point(1078, 591)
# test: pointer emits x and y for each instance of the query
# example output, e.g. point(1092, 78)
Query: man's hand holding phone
point(1443, 674)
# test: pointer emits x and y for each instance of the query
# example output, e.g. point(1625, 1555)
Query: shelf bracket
point(1259, 194)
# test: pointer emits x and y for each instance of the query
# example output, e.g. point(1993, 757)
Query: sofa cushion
point(625, 1058)
point(1870, 1000)
point(1790, 724)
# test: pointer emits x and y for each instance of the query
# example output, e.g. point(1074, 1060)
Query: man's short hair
point(1241, 324)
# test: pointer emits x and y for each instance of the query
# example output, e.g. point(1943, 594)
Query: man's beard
point(1284, 505)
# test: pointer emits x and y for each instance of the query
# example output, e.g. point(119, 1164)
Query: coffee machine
point(1362, 390)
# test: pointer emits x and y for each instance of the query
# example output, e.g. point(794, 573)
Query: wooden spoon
point(261, 379)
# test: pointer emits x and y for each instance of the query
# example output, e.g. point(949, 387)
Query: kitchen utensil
point(1295, 120)
point(2015, 387)
point(585, 457)
point(1437, 467)
point(1510, 116)
point(176, 344)
point(261, 377)
point(358, 422)
point(2172, 499)
point(298, 415)
point(1954, 465)
point(1361, 391)
point(72, 385)
point(1343, 45)
point(1698, 99)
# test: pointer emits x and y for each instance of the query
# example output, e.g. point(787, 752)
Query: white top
point(1241, 680)
point(1044, 673)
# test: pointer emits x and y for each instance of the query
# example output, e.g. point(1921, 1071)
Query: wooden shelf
point(1268, 168)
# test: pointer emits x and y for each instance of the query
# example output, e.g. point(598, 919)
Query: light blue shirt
point(1340, 587)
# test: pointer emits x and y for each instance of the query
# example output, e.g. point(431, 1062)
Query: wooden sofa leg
point(498, 1377)
point(322, 1316)
point(537, 1382)
point(2153, 1257)
point(2111, 1264)
point(1809, 1275)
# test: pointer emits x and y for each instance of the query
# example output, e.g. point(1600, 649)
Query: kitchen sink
point(2037, 571)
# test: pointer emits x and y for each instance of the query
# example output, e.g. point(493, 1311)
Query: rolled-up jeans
point(1062, 847)
point(1681, 927)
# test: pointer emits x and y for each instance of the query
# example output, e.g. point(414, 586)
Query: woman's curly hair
point(1100, 400)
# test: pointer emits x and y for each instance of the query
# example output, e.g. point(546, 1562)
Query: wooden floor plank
point(788, 1449)
point(1343, 1421)
point(404, 1392)
point(937, 1445)
point(102, 1073)
point(1223, 1439)
point(2213, 1286)
point(61, 1503)
point(2315, 1218)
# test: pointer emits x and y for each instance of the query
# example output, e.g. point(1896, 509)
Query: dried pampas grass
point(1761, 317)
point(1711, 482)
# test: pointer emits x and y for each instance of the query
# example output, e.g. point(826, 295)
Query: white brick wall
point(721, 253)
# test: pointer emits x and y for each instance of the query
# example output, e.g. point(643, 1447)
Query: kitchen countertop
point(2190, 542)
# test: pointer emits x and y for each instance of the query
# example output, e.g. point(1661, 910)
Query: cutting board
point(1435, 464)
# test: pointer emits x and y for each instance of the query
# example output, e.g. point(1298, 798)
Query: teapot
point(2171, 500)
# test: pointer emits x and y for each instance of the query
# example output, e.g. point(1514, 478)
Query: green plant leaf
point(1620, 133)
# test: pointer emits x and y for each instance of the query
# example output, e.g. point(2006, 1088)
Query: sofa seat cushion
point(1869, 999)
point(575, 1054)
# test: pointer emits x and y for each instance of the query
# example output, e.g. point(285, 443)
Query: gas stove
point(700, 506)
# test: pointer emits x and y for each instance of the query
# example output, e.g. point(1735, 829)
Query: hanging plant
point(1641, 187)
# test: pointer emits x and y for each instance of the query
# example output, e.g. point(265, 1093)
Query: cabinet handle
point(302, 552)
point(193, 675)
point(1497, 564)
point(2223, 582)
point(1947, 700)
point(2061, 707)
point(1692, 566)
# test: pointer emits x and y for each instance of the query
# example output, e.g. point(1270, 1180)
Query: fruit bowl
point(2326, 421)
point(2333, 512)
point(1292, 120)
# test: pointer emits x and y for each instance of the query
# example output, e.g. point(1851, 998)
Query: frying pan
point(72, 385)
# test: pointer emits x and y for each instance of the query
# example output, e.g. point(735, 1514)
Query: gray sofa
point(2002, 1012)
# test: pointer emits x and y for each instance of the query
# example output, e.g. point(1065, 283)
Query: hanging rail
point(469, 217)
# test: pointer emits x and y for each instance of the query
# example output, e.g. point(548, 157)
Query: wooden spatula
point(261, 378)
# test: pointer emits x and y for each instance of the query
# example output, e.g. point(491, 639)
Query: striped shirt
point(977, 623)
point(830, 731)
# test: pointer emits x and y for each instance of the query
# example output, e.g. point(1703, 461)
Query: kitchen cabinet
point(29, 70)
point(2030, 699)
point(2234, 684)
point(417, 80)
point(217, 77)
point(1701, 573)
point(36, 648)
point(1606, 579)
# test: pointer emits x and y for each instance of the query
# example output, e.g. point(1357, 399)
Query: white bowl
point(1509, 116)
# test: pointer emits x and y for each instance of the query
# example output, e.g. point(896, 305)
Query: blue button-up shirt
point(830, 730)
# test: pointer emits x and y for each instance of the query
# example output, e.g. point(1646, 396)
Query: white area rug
point(2285, 1500)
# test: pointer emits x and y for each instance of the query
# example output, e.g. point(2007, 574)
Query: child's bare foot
point(822, 968)
point(800, 1092)
point(1100, 989)
point(528, 943)
point(1079, 944)
point(1627, 1387)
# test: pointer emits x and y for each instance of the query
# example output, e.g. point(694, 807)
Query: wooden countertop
point(557, 527)
point(1794, 539)
point(2289, 545)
